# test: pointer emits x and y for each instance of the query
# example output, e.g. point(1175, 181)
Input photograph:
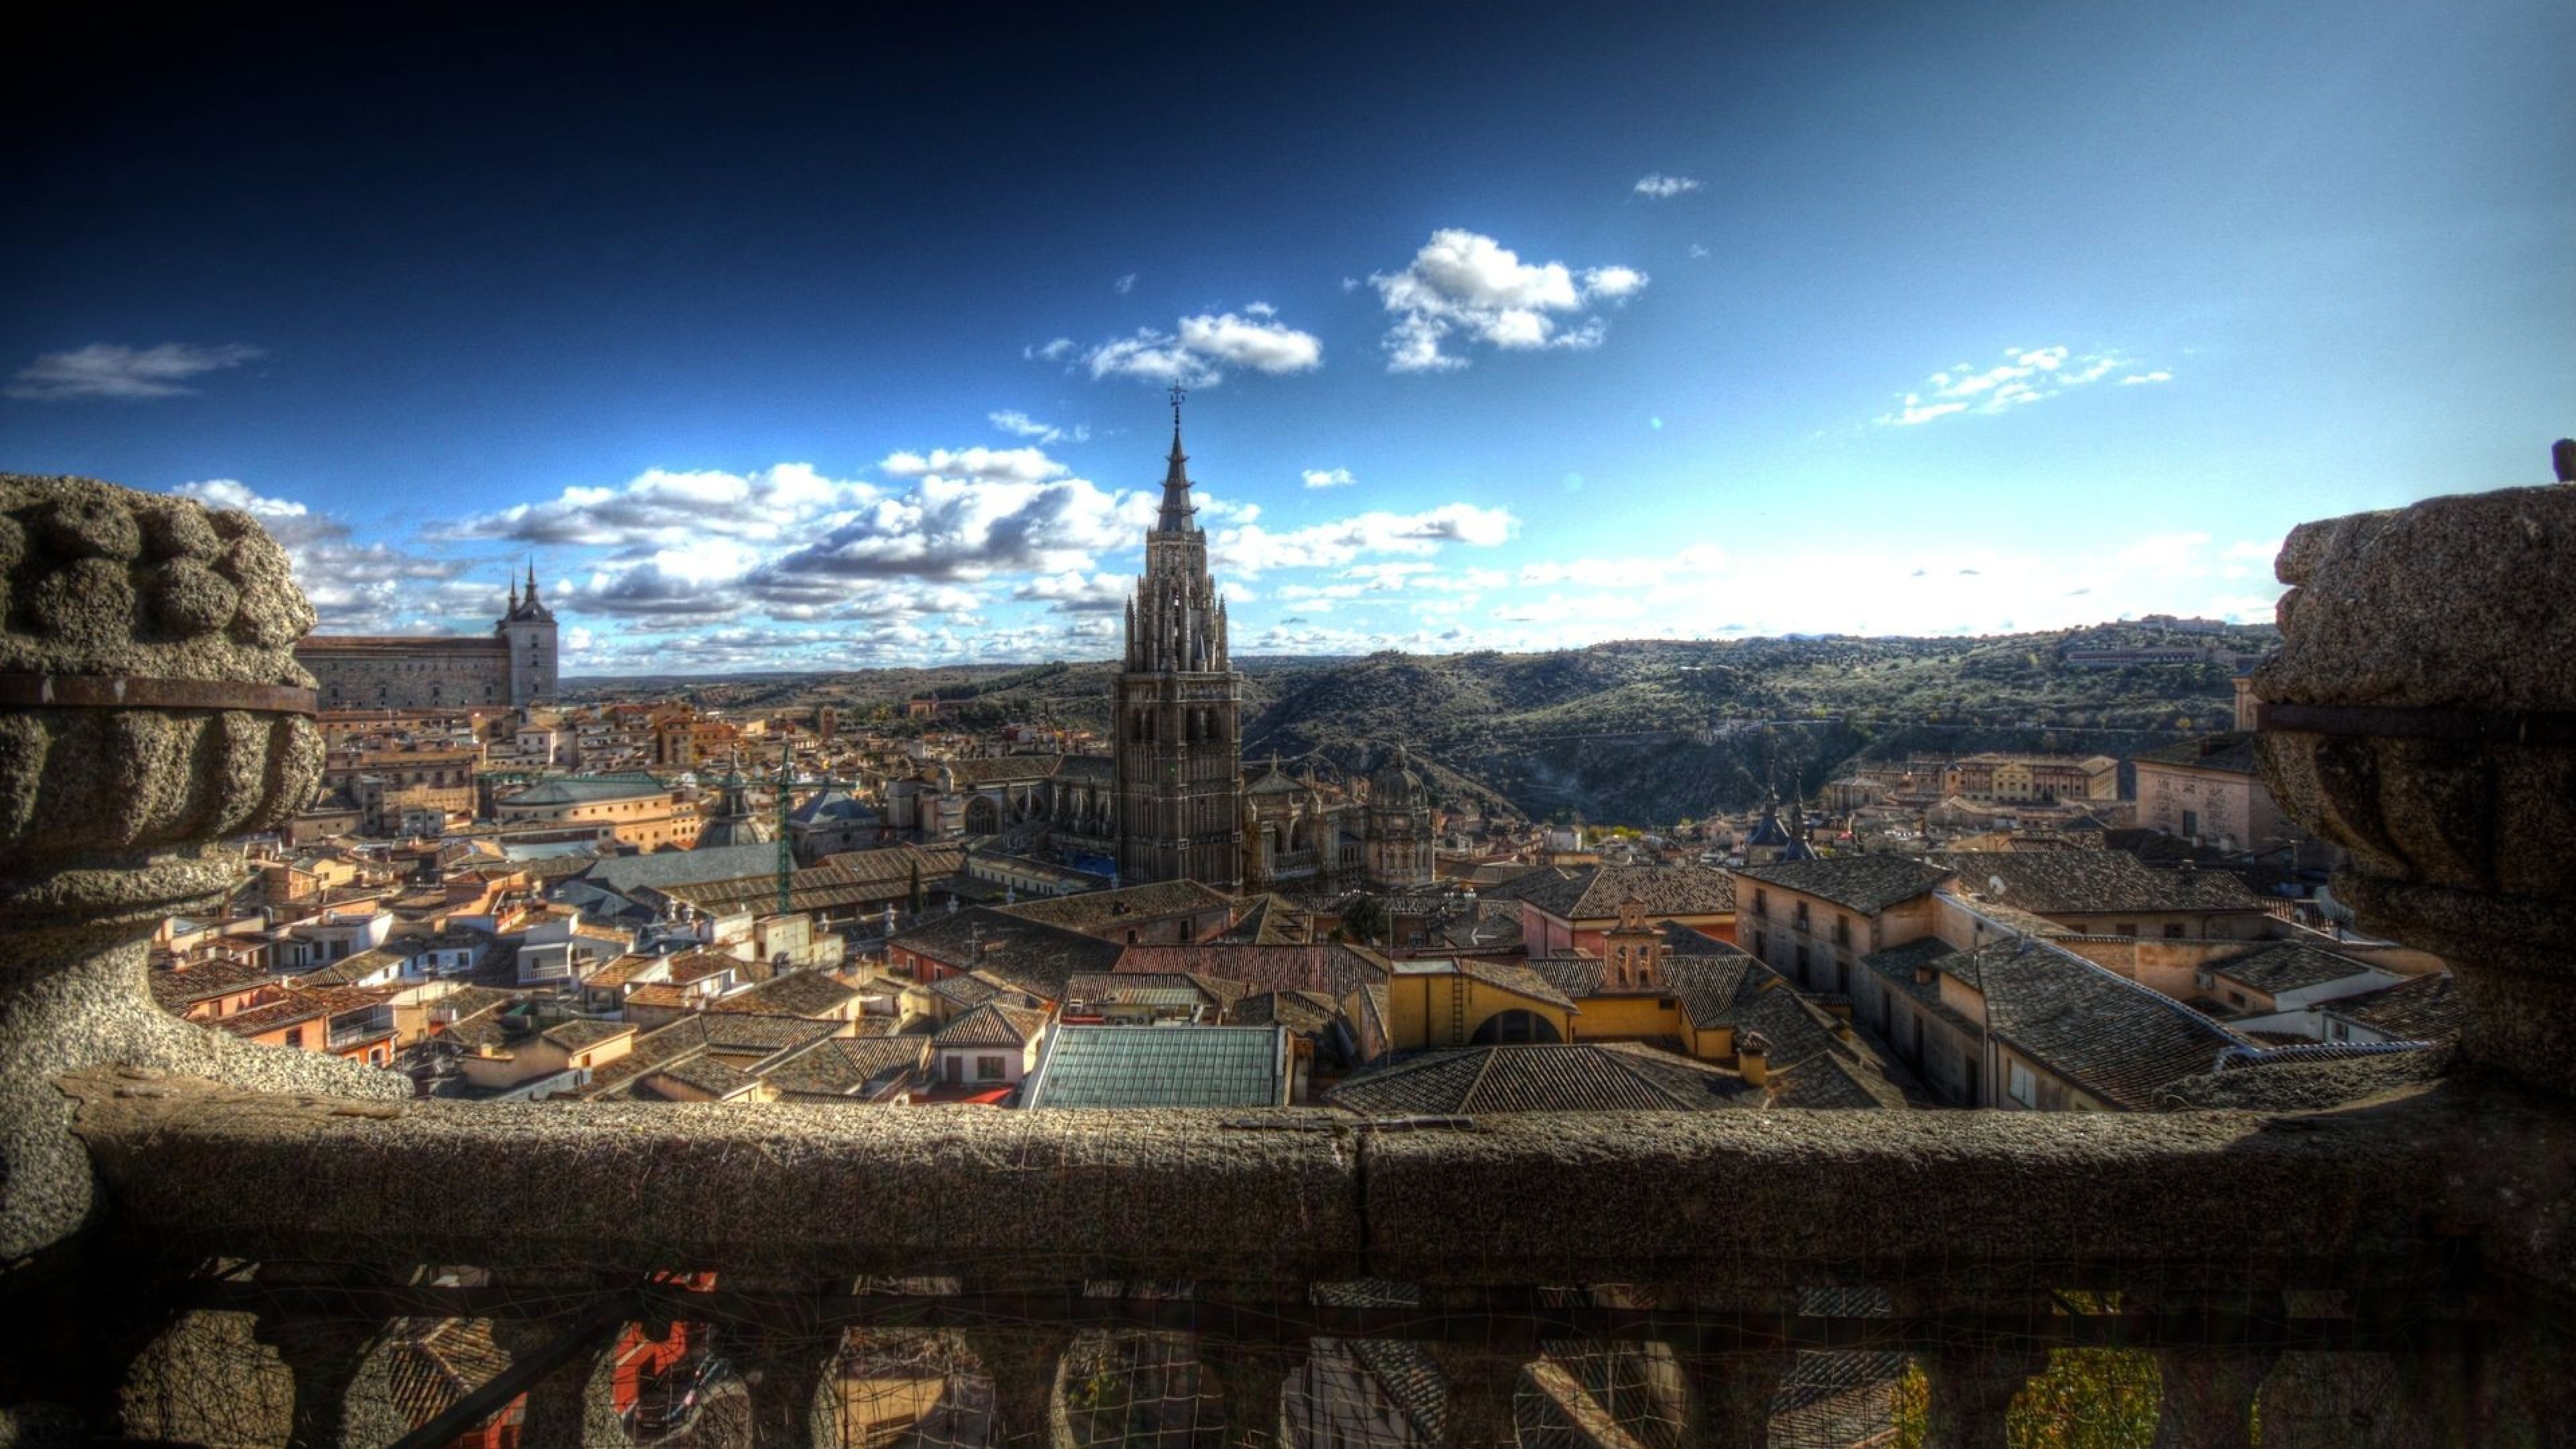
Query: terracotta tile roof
point(862, 1067)
point(2111, 1036)
point(1866, 883)
point(2426, 1008)
point(992, 1025)
point(1575, 1077)
point(1107, 910)
point(1032, 956)
point(1595, 892)
point(2278, 966)
point(2067, 882)
point(1335, 967)
point(796, 993)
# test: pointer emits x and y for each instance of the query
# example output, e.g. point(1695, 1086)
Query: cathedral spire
point(532, 581)
point(1177, 508)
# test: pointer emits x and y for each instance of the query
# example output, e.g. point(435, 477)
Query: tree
point(1365, 919)
point(913, 894)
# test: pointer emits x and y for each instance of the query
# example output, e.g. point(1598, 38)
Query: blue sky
point(808, 344)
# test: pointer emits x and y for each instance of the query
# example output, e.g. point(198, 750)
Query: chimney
point(1753, 1058)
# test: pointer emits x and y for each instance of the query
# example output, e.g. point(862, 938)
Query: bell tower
point(1178, 707)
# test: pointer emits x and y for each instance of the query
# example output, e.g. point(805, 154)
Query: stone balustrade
point(234, 1245)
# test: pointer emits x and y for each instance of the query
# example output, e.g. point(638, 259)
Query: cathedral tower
point(1179, 707)
point(528, 632)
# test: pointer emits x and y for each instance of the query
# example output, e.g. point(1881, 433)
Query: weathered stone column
point(1023, 1365)
point(2208, 1390)
point(573, 1406)
point(150, 703)
point(1971, 1387)
point(1483, 1389)
point(786, 1373)
point(2421, 713)
point(1732, 1395)
point(1250, 1380)
point(325, 1356)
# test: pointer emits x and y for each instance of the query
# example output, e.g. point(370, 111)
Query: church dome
point(735, 822)
point(1396, 787)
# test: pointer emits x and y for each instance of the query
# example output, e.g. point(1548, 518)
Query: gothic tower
point(1178, 710)
point(528, 631)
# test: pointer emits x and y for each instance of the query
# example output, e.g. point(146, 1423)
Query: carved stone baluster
point(324, 1355)
point(573, 1406)
point(1025, 1366)
point(1971, 1387)
point(1733, 1392)
point(1483, 1389)
point(787, 1374)
point(1250, 1380)
point(150, 702)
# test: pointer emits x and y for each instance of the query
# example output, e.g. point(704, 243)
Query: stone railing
point(231, 1245)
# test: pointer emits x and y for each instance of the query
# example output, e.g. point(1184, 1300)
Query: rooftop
point(1866, 883)
point(1162, 1066)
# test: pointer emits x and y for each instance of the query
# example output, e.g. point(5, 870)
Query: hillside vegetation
point(1642, 731)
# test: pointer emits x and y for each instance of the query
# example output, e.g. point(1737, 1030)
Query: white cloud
point(125, 374)
point(1124, 284)
point(1251, 550)
point(1056, 351)
point(1073, 592)
point(660, 509)
point(357, 588)
point(1328, 478)
point(2136, 378)
point(990, 465)
point(1465, 285)
point(1697, 251)
point(1020, 424)
point(1201, 349)
point(2026, 375)
point(1662, 187)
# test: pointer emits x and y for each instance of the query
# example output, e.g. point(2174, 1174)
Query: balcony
point(226, 1245)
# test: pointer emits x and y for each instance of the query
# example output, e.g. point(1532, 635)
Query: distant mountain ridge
point(1639, 731)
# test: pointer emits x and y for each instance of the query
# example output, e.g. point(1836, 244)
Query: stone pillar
point(1970, 1388)
point(787, 1375)
point(2421, 714)
point(2208, 1389)
point(1024, 1365)
point(1731, 1395)
point(573, 1407)
point(1483, 1388)
point(324, 1355)
point(1249, 1380)
point(150, 704)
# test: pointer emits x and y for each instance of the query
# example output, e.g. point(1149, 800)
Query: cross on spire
point(1179, 394)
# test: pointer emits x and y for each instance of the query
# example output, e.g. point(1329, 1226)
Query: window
point(295, 1037)
point(1761, 903)
point(1842, 930)
point(1802, 915)
point(1802, 965)
point(2191, 822)
point(2018, 1083)
point(2125, 928)
point(2173, 931)
point(988, 1069)
point(1762, 944)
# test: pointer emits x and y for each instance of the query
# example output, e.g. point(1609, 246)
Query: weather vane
point(1178, 393)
